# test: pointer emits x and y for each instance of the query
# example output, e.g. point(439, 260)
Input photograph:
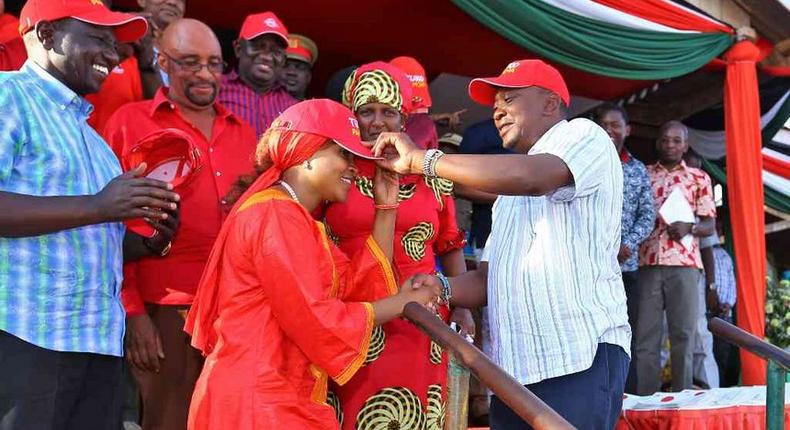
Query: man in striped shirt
point(550, 276)
point(253, 92)
point(61, 242)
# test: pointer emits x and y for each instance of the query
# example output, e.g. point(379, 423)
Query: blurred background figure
point(300, 57)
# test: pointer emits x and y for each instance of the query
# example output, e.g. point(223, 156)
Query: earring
point(403, 128)
point(307, 165)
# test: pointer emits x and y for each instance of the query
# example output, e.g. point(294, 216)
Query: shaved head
point(192, 57)
point(190, 36)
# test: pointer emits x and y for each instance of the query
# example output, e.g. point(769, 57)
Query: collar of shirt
point(625, 156)
point(161, 101)
point(681, 166)
point(60, 94)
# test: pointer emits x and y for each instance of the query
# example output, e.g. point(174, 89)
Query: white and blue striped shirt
point(58, 291)
point(554, 285)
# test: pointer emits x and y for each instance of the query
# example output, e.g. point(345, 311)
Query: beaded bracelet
point(387, 207)
point(429, 162)
point(447, 292)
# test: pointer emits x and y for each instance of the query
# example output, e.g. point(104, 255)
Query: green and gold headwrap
point(372, 84)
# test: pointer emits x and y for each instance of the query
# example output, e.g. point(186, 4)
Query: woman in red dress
point(280, 309)
point(401, 385)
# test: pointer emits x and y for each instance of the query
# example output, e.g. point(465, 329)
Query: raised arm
point(532, 175)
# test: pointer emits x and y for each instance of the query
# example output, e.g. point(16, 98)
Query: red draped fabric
point(777, 166)
point(666, 13)
point(745, 192)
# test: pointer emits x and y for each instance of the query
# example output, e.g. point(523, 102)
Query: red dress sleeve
point(368, 276)
point(333, 334)
point(450, 237)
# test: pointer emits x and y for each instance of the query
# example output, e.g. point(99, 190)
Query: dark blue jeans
point(590, 399)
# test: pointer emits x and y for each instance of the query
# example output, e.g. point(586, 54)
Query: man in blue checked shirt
point(62, 197)
point(639, 214)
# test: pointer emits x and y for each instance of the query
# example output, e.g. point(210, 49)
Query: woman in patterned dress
point(401, 385)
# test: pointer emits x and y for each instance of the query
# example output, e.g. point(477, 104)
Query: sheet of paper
point(677, 208)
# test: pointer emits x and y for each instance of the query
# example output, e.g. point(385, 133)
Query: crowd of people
point(257, 281)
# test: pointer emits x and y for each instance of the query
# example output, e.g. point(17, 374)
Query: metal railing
point(778, 366)
point(530, 408)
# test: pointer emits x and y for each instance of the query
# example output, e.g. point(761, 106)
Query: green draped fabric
point(596, 46)
point(773, 199)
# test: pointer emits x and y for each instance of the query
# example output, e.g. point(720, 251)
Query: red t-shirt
point(122, 86)
point(227, 155)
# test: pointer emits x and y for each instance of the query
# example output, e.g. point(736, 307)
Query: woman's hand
point(385, 187)
point(423, 289)
point(408, 159)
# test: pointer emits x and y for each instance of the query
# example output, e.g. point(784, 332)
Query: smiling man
point(549, 273)
point(252, 91)
point(62, 196)
point(160, 290)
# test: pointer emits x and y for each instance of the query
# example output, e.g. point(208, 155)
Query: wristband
point(447, 292)
point(432, 157)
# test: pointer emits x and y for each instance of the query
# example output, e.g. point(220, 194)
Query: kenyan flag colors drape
point(660, 39)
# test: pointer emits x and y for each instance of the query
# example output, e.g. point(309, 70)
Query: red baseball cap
point(326, 118)
point(170, 156)
point(127, 27)
point(259, 24)
point(520, 74)
point(421, 97)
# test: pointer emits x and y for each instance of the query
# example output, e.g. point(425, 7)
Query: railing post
point(775, 398)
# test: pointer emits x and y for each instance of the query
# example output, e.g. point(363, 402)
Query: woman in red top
point(280, 309)
point(401, 385)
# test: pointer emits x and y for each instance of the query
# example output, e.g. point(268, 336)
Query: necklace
point(290, 190)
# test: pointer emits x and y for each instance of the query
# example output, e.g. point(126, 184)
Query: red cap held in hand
point(127, 27)
point(520, 74)
point(170, 156)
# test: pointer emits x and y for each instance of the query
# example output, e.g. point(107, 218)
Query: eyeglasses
point(194, 66)
point(253, 50)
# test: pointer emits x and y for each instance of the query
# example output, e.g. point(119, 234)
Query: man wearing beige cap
point(62, 196)
point(549, 273)
point(300, 58)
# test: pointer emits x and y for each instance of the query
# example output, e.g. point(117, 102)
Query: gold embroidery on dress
point(440, 187)
point(333, 401)
point(436, 408)
point(415, 238)
point(436, 353)
point(330, 234)
point(377, 340)
point(396, 408)
point(365, 186)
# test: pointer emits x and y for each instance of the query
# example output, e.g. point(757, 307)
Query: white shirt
point(554, 285)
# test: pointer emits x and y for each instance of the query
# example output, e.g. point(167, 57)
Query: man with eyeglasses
point(252, 91)
point(157, 292)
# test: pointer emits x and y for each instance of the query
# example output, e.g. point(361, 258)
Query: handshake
point(428, 290)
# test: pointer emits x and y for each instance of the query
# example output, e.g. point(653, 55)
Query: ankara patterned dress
point(401, 384)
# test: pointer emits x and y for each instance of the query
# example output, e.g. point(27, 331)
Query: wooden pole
point(511, 392)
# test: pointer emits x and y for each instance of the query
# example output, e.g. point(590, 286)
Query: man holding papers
point(670, 261)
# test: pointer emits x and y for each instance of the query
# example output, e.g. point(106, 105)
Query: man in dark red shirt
point(158, 292)
point(252, 91)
